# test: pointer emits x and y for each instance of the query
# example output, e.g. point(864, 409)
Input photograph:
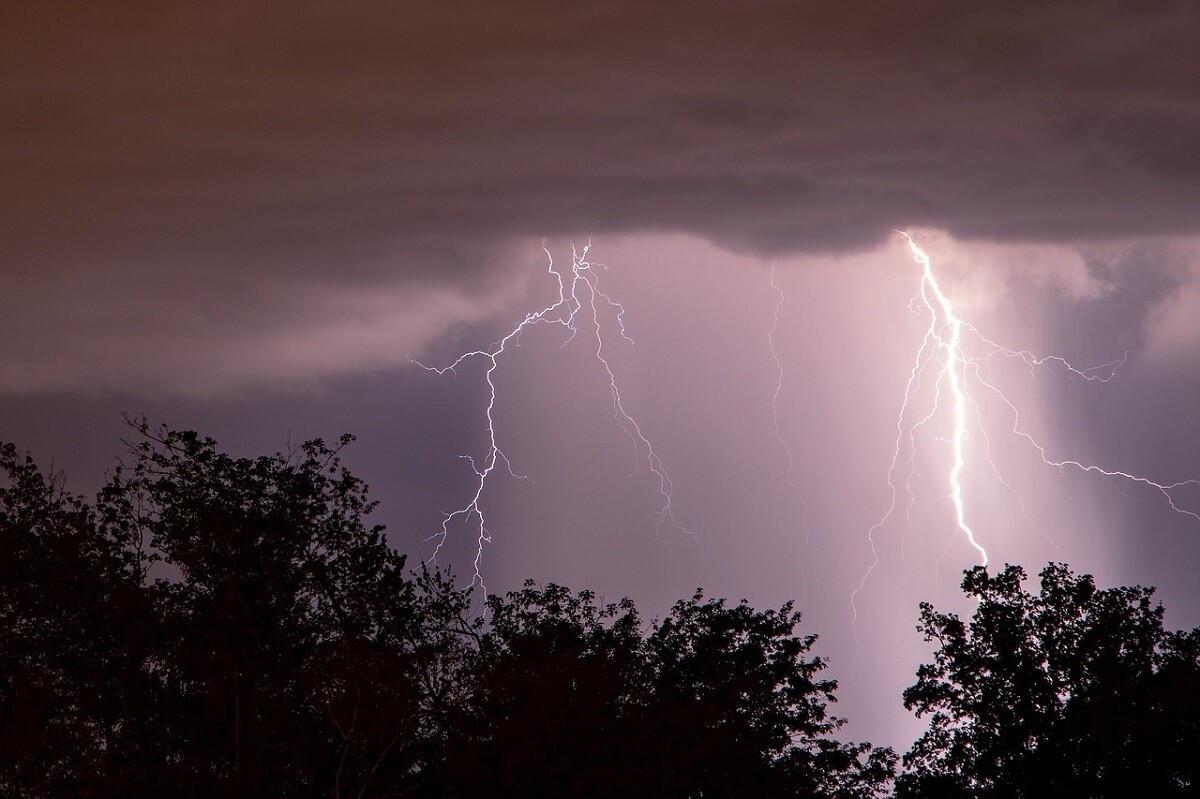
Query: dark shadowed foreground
point(213, 626)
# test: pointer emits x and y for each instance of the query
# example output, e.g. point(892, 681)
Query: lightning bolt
point(773, 405)
point(951, 376)
point(580, 307)
point(958, 376)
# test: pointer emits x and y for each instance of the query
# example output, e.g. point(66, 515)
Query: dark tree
point(574, 698)
point(214, 626)
point(739, 708)
point(551, 701)
point(70, 615)
point(292, 654)
point(1073, 692)
point(219, 626)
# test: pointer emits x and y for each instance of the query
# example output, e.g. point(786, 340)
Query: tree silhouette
point(219, 626)
point(739, 707)
point(1073, 692)
point(216, 627)
point(292, 653)
point(573, 698)
point(551, 708)
point(71, 612)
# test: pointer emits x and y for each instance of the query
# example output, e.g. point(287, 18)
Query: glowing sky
point(247, 220)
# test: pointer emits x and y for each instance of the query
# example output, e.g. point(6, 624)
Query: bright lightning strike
point(580, 308)
point(952, 378)
point(957, 375)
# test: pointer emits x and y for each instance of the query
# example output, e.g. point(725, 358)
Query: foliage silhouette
point(218, 626)
point(573, 698)
point(1072, 692)
point(280, 650)
point(231, 626)
point(71, 614)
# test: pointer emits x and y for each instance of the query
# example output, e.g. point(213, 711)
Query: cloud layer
point(166, 163)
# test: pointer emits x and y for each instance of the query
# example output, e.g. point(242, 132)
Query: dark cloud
point(245, 127)
point(199, 156)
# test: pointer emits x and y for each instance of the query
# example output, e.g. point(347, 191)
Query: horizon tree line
point(218, 626)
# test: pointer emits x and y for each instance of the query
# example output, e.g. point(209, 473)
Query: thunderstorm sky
point(247, 220)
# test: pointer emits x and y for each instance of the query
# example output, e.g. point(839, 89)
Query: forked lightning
point(579, 309)
point(942, 358)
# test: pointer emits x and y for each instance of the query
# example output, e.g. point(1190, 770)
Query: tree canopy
point(1071, 692)
point(220, 626)
point(578, 698)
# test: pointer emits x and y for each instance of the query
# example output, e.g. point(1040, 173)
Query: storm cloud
point(208, 174)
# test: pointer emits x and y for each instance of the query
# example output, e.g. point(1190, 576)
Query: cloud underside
point(166, 164)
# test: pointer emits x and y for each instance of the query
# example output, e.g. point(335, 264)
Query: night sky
point(249, 218)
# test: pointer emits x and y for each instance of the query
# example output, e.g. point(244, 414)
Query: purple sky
point(246, 219)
